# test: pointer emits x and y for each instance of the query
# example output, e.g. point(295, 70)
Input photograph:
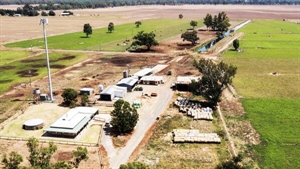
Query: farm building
point(144, 72)
point(182, 82)
point(109, 93)
point(152, 80)
point(159, 67)
point(72, 123)
point(88, 91)
point(129, 83)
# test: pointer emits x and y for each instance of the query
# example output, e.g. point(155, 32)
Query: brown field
point(20, 28)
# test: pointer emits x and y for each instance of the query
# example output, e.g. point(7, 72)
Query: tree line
point(75, 4)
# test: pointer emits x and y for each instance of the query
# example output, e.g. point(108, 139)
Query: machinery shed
point(129, 83)
point(111, 92)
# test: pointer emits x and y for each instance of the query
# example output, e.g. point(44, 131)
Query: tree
point(40, 157)
point(190, 36)
point(84, 99)
point(233, 163)
point(138, 23)
point(70, 97)
point(222, 22)
point(111, 27)
point(143, 38)
point(87, 29)
point(13, 161)
point(236, 44)
point(134, 165)
point(193, 24)
point(215, 78)
point(80, 154)
point(124, 117)
point(44, 13)
point(180, 16)
point(208, 21)
point(52, 13)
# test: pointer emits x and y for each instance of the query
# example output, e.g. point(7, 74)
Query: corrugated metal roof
point(112, 89)
point(129, 81)
point(73, 120)
point(186, 79)
point(153, 78)
point(143, 72)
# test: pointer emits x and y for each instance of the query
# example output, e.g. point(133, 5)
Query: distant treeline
point(30, 10)
point(76, 4)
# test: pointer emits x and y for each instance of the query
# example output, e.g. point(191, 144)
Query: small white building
point(88, 91)
point(182, 83)
point(111, 92)
point(152, 80)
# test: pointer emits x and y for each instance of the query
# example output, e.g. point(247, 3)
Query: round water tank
point(125, 74)
point(33, 124)
point(100, 87)
point(36, 91)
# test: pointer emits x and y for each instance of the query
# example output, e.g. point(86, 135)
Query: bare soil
point(98, 18)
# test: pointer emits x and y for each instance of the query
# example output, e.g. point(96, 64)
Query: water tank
point(100, 87)
point(125, 74)
point(36, 91)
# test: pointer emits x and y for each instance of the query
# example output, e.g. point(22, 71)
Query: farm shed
point(88, 91)
point(109, 93)
point(72, 123)
point(182, 83)
point(152, 80)
point(159, 67)
point(129, 83)
point(144, 72)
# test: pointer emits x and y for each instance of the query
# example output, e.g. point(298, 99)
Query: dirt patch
point(64, 156)
point(6, 67)
point(5, 81)
point(28, 73)
point(57, 66)
point(68, 57)
point(31, 60)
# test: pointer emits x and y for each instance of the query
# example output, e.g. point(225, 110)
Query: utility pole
point(45, 21)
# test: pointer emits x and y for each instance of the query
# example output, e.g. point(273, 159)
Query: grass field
point(115, 41)
point(18, 71)
point(161, 152)
point(8, 56)
point(271, 100)
point(278, 122)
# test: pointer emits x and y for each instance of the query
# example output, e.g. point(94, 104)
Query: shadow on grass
point(84, 37)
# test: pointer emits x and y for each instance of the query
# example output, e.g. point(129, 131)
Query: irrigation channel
point(213, 42)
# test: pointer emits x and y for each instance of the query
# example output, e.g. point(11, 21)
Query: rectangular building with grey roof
point(72, 123)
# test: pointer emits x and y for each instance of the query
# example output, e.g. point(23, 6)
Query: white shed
point(111, 92)
point(88, 91)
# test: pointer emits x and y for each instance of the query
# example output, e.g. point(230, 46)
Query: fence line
point(54, 141)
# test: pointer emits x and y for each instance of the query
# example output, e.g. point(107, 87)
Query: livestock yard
point(255, 113)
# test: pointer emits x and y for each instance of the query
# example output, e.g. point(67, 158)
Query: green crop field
point(115, 41)
point(7, 56)
point(18, 71)
point(268, 79)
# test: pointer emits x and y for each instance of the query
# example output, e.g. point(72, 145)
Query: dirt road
point(148, 114)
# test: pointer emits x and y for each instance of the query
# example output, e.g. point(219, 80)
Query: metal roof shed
point(129, 83)
point(144, 72)
point(72, 123)
point(152, 80)
point(111, 92)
